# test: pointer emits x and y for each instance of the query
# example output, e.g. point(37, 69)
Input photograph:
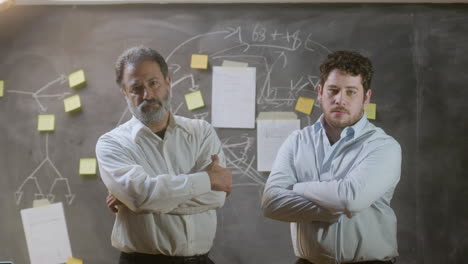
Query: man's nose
point(339, 98)
point(148, 93)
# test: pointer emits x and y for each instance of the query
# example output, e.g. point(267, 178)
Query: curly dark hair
point(136, 55)
point(350, 62)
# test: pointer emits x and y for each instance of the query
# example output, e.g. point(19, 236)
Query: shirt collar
point(353, 130)
point(138, 127)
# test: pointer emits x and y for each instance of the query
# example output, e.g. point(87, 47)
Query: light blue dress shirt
point(337, 196)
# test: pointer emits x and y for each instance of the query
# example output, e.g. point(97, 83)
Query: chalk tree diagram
point(34, 178)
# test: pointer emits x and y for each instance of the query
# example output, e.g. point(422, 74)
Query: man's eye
point(332, 91)
point(135, 89)
point(154, 83)
point(351, 92)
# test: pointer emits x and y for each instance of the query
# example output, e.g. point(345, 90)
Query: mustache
point(340, 109)
point(151, 101)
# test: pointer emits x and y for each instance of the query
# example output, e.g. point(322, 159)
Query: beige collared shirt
point(170, 206)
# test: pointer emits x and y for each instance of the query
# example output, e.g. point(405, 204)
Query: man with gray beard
point(165, 173)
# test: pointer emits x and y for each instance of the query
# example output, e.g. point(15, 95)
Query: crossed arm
point(286, 199)
point(375, 175)
point(131, 186)
point(279, 200)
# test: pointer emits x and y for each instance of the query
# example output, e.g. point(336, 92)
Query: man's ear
point(367, 97)
point(122, 91)
point(169, 81)
point(319, 88)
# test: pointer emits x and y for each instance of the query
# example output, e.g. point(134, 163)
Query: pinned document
point(46, 123)
point(46, 234)
point(272, 130)
point(199, 61)
point(233, 98)
point(72, 260)
point(2, 87)
point(194, 100)
point(72, 103)
point(77, 80)
point(371, 111)
point(88, 166)
point(305, 105)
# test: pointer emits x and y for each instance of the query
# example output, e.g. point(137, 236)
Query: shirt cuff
point(200, 183)
point(300, 188)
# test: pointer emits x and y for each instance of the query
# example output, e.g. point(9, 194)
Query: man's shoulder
point(118, 133)
point(191, 125)
point(303, 136)
point(376, 136)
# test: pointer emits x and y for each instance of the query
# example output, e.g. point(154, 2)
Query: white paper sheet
point(233, 97)
point(271, 133)
point(46, 234)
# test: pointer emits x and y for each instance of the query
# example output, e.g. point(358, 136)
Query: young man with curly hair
point(334, 180)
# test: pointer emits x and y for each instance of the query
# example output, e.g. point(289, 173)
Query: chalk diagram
point(39, 95)
point(240, 149)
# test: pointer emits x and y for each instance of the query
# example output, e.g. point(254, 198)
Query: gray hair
point(136, 55)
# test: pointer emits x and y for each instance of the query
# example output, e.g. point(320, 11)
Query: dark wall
point(420, 56)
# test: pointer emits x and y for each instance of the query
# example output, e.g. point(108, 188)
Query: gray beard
point(153, 115)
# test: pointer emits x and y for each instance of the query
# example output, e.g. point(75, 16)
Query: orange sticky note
point(199, 61)
point(371, 111)
point(305, 105)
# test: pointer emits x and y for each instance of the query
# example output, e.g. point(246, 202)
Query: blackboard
point(420, 56)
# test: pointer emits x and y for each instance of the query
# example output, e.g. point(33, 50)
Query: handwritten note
point(46, 234)
point(272, 130)
point(233, 98)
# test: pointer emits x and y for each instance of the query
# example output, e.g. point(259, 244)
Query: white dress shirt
point(337, 196)
point(170, 208)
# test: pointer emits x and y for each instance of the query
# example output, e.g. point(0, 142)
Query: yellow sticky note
point(71, 260)
point(88, 166)
point(194, 100)
point(199, 61)
point(305, 105)
point(371, 111)
point(77, 79)
point(72, 103)
point(46, 123)
point(2, 86)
